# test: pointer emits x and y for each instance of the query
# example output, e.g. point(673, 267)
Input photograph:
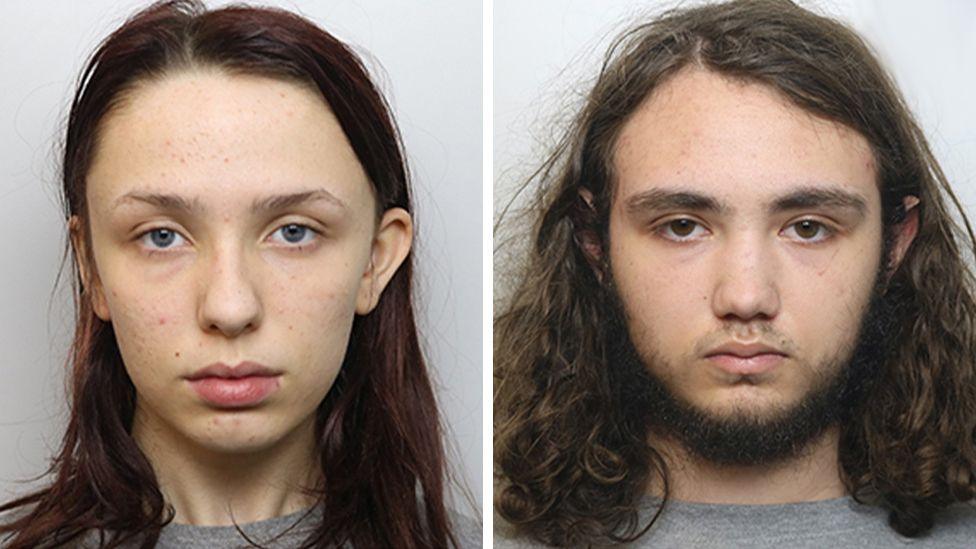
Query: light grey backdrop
point(427, 59)
point(546, 53)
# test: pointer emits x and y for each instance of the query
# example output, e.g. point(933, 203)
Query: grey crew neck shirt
point(298, 526)
point(840, 522)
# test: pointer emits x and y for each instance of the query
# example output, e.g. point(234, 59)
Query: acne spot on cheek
point(177, 354)
point(162, 321)
point(290, 328)
point(226, 160)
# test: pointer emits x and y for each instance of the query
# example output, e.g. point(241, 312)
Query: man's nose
point(230, 301)
point(746, 280)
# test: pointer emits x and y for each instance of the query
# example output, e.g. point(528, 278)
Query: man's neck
point(813, 475)
point(202, 485)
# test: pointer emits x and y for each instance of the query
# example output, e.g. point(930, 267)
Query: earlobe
point(905, 233)
point(89, 281)
point(390, 247)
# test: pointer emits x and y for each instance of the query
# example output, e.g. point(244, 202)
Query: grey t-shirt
point(840, 522)
point(185, 536)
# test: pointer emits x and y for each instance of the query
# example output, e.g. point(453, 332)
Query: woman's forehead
point(210, 131)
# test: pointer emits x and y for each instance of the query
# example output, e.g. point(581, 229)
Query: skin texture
point(747, 274)
point(230, 284)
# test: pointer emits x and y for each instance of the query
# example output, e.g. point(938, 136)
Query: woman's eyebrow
point(174, 202)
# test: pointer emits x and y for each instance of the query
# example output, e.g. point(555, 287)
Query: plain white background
point(546, 53)
point(427, 60)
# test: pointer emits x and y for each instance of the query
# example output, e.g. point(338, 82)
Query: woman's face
point(200, 257)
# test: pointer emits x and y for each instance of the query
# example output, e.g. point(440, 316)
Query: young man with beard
point(746, 319)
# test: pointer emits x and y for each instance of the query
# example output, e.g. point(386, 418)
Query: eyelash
point(827, 232)
point(293, 248)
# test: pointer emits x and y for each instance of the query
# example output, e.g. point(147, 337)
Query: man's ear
point(90, 282)
point(586, 236)
point(905, 233)
point(390, 247)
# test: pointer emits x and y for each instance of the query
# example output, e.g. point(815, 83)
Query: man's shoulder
point(855, 525)
point(505, 537)
point(956, 526)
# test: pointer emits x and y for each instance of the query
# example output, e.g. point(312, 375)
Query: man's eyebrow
point(271, 203)
point(660, 199)
point(813, 197)
point(802, 198)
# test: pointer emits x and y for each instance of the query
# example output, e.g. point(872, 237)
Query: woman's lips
point(747, 366)
point(235, 393)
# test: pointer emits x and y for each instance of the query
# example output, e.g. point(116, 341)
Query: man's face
point(744, 241)
point(225, 282)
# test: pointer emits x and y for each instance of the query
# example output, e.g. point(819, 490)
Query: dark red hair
point(378, 429)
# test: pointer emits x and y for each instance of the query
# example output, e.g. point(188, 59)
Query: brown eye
point(682, 227)
point(810, 231)
point(807, 229)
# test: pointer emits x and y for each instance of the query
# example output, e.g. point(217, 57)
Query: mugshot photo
point(251, 312)
point(733, 260)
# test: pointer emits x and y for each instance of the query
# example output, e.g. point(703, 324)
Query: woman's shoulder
point(466, 529)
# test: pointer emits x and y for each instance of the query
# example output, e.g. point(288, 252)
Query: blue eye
point(294, 233)
point(162, 238)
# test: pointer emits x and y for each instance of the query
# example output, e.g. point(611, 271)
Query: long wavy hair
point(573, 458)
point(378, 429)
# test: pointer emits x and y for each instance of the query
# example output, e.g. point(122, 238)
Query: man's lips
point(747, 366)
point(746, 358)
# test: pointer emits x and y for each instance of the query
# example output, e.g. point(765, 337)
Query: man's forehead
point(735, 141)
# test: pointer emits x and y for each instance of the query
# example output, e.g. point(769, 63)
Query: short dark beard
point(744, 440)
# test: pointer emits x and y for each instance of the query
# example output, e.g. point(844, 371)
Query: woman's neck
point(212, 486)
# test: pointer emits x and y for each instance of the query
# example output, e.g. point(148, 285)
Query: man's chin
point(758, 428)
point(743, 402)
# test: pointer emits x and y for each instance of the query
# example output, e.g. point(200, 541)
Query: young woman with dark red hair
point(246, 363)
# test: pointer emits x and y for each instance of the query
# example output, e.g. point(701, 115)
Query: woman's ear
point(91, 284)
point(390, 247)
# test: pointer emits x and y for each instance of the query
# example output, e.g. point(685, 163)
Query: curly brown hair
point(573, 457)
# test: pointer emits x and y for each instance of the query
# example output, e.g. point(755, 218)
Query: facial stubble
point(744, 437)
